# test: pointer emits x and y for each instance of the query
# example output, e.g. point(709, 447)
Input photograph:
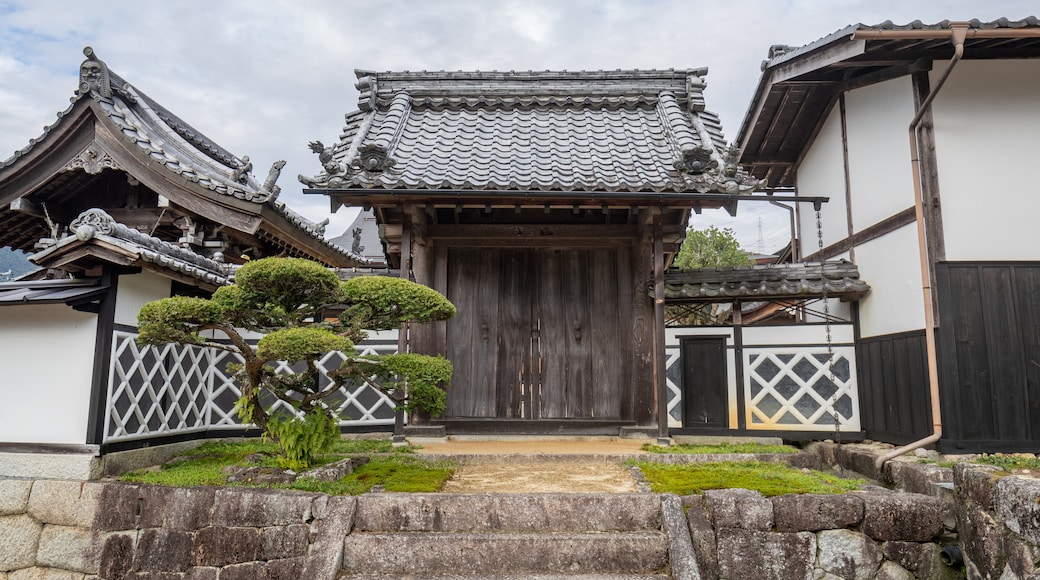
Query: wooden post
point(738, 363)
point(660, 372)
point(402, 334)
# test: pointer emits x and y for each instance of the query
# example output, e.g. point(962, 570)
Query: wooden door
point(538, 333)
point(704, 383)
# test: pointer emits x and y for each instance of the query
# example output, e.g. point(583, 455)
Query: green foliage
point(420, 374)
point(14, 263)
point(302, 440)
point(770, 479)
point(176, 319)
point(382, 303)
point(711, 248)
point(285, 298)
point(294, 344)
point(721, 448)
point(396, 474)
point(289, 289)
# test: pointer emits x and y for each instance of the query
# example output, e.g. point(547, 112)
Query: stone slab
point(19, 539)
point(79, 467)
point(64, 503)
point(811, 513)
point(739, 508)
point(848, 554)
point(14, 496)
point(746, 554)
point(68, 548)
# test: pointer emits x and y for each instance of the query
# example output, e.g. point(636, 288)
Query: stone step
point(346, 575)
point(433, 553)
point(565, 512)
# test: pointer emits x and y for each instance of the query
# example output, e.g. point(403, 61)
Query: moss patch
point(770, 479)
point(399, 470)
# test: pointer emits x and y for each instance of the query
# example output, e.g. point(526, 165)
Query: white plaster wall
point(987, 133)
point(877, 122)
point(135, 291)
point(822, 174)
point(814, 334)
point(891, 265)
point(47, 356)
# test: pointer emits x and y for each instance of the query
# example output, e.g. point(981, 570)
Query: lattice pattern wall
point(798, 388)
point(173, 389)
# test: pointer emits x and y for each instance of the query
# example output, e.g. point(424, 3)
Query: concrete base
point(80, 467)
point(638, 432)
point(425, 431)
point(719, 439)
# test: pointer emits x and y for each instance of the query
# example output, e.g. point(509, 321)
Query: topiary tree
point(286, 299)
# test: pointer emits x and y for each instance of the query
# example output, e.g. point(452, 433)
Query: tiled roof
point(771, 281)
point(62, 291)
point(780, 54)
point(540, 131)
point(95, 224)
point(179, 148)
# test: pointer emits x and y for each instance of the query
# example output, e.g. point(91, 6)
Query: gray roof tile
point(773, 281)
point(548, 131)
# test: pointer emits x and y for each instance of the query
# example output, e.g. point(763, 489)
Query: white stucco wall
point(135, 291)
point(987, 134)
point(822, 174)
point(877, 122)
point(47, 356)
point(891, 265)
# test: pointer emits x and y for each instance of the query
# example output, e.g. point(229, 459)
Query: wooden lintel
point(23, 205)
point(817, 60)
point(529, 232)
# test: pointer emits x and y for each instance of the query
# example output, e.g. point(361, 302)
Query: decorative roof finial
point(272, 177)
point(93, 75)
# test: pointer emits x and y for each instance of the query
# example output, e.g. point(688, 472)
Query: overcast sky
point(264, 77)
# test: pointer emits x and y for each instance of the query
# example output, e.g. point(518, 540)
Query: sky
point(264, 77)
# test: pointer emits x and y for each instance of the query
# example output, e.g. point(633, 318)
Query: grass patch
point(685, 449)
point(1009, 462)
point(944, 463)
point(398, 471)
point(769, 479)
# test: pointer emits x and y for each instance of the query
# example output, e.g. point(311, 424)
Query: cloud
point(264, 77)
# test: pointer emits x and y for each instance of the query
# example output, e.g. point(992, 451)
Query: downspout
point(794, 247)
point(958, 32)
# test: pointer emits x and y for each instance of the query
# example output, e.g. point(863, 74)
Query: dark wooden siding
point(893, 383)
point(989, 364)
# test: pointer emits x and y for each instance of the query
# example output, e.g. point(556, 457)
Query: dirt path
point(562, 477)
point(581, 475)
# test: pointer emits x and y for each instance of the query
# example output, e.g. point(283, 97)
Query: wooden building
point(543, 204)
point(923, 136)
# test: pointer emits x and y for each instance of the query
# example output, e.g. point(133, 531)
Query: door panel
point(537, 334)
point(704, 383)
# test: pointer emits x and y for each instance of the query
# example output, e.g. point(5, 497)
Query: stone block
point(328, 534)
point(221, 546)
point(117, 507)
point(162, 550)
point(858, 459)
point(1016, 505)
point(287, 569)
point(245, 571)
point(932, 566)
point(261, 507)
point(746, 554)
point(14, 496)
point(40, 466)
point(918, 477)
point(901, 516)
point(202, 573)
point(42, 573)
point(19, 538)
point(811, 513)
point(739, 508)
point(848, 554)
point(893, 571)
point(906, 554)
point(681, 557)
point(703, 535)
point(284, 541)
point(68, 548)
point(1023, 559)
point(189, 509)
point(982, 541)
point(117, 554)
point(154, 576)
point(975, 483)
point(65, 503)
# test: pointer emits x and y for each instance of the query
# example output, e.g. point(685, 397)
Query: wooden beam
point(532, 232)
point(818, 59)
point(933, 218)
point(885, 226)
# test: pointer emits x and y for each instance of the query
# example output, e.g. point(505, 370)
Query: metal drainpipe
point(958, 32)
point(794, 247)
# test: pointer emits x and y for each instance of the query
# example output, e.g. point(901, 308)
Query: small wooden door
point(704, 383)
point(538, 333)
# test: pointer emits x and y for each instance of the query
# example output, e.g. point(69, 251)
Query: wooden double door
point(540, 333)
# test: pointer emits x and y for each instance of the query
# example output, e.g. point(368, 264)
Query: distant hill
point(13, 264)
